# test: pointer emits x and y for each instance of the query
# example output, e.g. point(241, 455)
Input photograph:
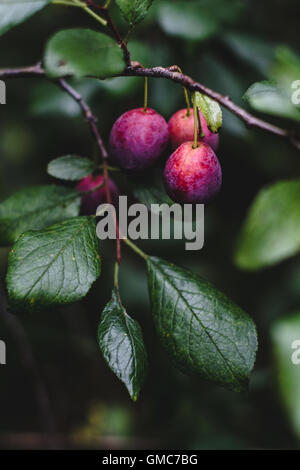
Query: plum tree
point(55, 256)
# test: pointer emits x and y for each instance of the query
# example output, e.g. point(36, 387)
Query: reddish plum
point(91, 201)
point(138, 138)
point(181, 129)
point(193, 175)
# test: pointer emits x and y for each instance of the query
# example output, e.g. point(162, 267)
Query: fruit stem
point(136, 249)
point(200, 133)
point(195, 145)
point(188, 106)
point(90, 12)
point(116, 281)
point(116, 276)
point(186, 96)
point(145, 94)
point(66, 3)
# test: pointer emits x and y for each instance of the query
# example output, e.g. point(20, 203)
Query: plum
point(91, 201)
point(193, 175)
point(181, 129)
point(138, 138)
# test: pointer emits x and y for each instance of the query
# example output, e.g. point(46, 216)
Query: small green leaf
point(211, 110)
point(54, 266)
point(83, 52)
point(270, 98)
point(286, 346)
point(14, 12)
point(271, 231)
point(35, 208)
point(70, 167)
point(121, 342)
point(203, 331)
point(134, 11)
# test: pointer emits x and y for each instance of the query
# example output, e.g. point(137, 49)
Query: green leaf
point(14, 12)
point(149, 190)
point(271, 231)
point(270, 98)
point(203, 331)
point(121, 342)
point(286, 67)
point(285, 333)
point(35, 208)
point(54, 266)
point(211, 110)
point(83, 52)
point(255, 51)
point(70, 167)
point(187, 20)
point(134, 11)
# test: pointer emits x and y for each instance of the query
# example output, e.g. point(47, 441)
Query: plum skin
point(138, 138)
point(193, 175)
point(90, 202)
point(181, 129)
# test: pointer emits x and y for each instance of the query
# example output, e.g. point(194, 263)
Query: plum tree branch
point(170, 73)
point(249, 119)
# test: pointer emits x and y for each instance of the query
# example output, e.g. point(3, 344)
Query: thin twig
point(92, 120)
point(110, 23)
point(20, 72)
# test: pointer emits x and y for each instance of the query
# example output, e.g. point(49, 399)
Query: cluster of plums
point(139, 138)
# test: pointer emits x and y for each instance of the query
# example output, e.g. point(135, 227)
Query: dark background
point(70, 390)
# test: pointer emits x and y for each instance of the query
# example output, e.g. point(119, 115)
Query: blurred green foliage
point(228, 45)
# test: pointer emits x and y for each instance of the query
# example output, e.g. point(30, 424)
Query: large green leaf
point(13, 12)
point(35, 208)
point(54, 266)
point(286, 345)
point(203, 331)
point(121, 342)
point(83, 52)
point(271, 231)
point(70, 167)
point(134, 11)
point(271, 98)
point(211, 110)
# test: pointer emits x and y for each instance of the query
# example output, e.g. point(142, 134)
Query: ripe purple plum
point(91, 201)
point(193, 175)
point(138, 138)
point(181, 129)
